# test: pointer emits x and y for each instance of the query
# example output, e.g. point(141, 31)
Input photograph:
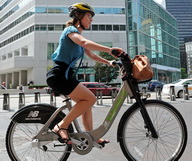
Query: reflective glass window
point(43, 27)
point(58, 27)
point(122, 27)
point(37, 28)
point(94, 27)
point(50, 10)
point(116, 27)
point(109, 27)
point(40, 10)
point(50, 27)
point(102, 27)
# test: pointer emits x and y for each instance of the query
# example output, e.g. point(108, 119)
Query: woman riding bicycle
point(61, 78)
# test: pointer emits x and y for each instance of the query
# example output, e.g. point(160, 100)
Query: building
point(182, 11)
point(161, 2)
point(30, 31)
point(153, 31)
point(188, 49)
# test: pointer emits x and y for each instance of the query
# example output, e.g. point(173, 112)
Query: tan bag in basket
point(141, 70)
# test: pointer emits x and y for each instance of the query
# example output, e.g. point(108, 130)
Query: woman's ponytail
point(73, 21)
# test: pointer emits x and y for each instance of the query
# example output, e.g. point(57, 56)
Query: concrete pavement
point(112, 151)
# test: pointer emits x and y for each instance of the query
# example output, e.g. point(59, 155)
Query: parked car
point(106, 91)
point(154, 84)
point(178, 87)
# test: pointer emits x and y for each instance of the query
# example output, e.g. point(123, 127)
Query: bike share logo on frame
point(33, 115)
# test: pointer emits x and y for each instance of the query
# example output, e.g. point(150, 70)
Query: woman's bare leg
point(84, 99)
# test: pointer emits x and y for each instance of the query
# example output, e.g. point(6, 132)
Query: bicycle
point(150, 130)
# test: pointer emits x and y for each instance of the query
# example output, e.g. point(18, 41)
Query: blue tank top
point(68, 51)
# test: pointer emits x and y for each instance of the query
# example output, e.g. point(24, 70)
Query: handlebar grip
point(114, 63)
point(115, 53)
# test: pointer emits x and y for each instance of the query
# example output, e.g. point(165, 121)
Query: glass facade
point(152, 31)
point(182, 11)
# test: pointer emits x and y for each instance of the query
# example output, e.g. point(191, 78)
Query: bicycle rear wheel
point(25, 125)
point(19, 147)
point(136, 141)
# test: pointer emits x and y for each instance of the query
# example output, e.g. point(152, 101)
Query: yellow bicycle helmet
point(80, 7)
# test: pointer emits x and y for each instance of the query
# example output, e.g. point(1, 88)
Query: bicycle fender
point(36, 113)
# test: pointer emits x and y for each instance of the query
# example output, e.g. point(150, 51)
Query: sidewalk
point(112, 151)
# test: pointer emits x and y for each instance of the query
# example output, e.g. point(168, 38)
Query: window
point(109, 27)
point(40, 10)
point(102, 27)
point(31, 29)
point(116, 27)
point(59, 10)
point(94, 27)
point(188, 82)
point(58, 27)
point(50, 27)
point(50, 10)
point(43, 27)
point(37, 28)
point(90, 85)
point(122, 27)
point(51, 47)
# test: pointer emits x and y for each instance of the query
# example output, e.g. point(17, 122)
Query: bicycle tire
point(136, 142)
point(19, 137)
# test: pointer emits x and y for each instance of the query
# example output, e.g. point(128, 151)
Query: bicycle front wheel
point(136, 141)
point(19, 144)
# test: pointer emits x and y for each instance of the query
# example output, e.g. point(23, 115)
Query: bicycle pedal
point(98, 145)
point(56, 145)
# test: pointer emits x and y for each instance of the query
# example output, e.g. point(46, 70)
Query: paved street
point(112, 151)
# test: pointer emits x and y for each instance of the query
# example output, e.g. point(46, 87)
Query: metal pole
point(21, 99)
point(37, 97)
point(144, 92)
point(158, 93)
point(172, 93)
point(129, 100)
point(99, 97)
point(6, 101)
point(52, 99)
point(113, 94)
point(185, 92)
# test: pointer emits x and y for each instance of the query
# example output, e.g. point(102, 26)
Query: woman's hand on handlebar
point(118, 50)
point(112, 63)
point(115, 63)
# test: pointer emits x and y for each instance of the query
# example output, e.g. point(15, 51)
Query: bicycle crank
point(86, 144)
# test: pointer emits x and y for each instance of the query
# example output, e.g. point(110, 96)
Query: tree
point(183, 73)
point(105, 73)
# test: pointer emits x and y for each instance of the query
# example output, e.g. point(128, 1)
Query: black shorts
point(57, 81)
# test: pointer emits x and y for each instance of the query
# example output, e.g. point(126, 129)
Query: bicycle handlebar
point(125, 61)
point(119, 55)
point(115, 53)
point(117, 63)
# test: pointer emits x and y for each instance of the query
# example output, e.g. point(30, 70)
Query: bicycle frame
point(97, 133)
point(108, 121)
point(129, 87)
